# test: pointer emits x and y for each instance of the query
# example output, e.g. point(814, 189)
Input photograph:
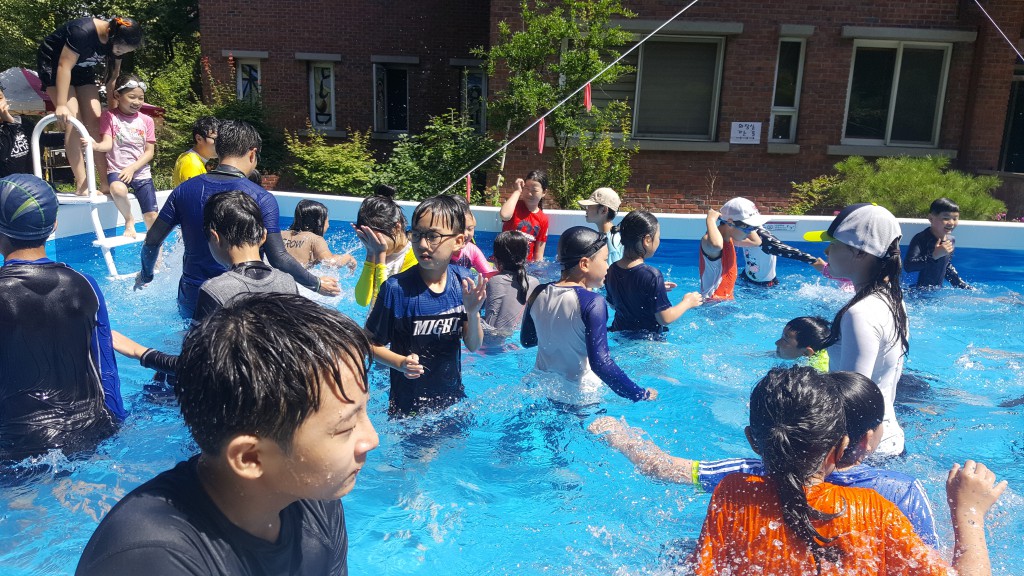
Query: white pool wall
point(74, 220)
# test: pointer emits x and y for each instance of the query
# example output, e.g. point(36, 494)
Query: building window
point(895, 93)
point(474, 98)
point(677, 88)
point(321, 95)
point(247, 79)
point(390, 98)
point(786, 101)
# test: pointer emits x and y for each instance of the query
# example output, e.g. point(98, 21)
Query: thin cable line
point(1003, 34)
point(566, 99)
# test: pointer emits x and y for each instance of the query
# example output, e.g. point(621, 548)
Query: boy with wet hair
point(193, 162)
point(273, 388)
point(426, 312)
point(930, 253)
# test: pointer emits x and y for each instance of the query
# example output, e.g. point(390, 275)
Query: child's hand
point(375, 242)
point(943, 247)
point(519, 185)
point(669, 286)
point(652, 394)
point(971, 491)
point(411, 367)
point(126, 175)
point(694, 299)
point(474, 294)
point(819, 265)
point(347, 260)
point(605, 424)
point(5, 111)
point(88, 141)
point(713, 214)
point(328, 286)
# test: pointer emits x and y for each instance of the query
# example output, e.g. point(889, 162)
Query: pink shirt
point(130, 135)
point(472, 255)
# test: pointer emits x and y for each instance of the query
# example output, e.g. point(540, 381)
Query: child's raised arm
point(509, 207)
point(712, 243)
point(971, 492)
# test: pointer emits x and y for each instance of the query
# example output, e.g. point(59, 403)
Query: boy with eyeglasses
point(731, 228)
point(426, 312)
point(193, 162)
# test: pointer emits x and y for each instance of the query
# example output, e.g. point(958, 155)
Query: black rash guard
point(56, 360)
point(170, 526)
point(931, 270)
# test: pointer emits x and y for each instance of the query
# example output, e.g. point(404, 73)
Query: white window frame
point(377, 120)
point(947, 49)
point(332, 125)
point(239, 63)
point(716, 89)
point(792, 111)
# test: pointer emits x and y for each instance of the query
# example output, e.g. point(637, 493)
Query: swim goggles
point(740, 225)
point(132, 84)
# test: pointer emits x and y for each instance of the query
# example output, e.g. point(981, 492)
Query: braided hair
point(796, 418)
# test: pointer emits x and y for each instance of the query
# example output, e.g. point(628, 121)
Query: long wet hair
point(381, 213)
point(796, 417)
point(636, 226)
point(310, 216)
point(124, 31)
point(885, 281)
point(510, 250)
point(863, 407)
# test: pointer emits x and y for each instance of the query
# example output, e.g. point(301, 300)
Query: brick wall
point(435, 31)
point(974, 111)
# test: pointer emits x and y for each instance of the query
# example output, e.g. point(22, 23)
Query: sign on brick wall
point(745, 133)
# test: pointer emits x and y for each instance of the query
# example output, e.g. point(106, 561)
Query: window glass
point(870, 92)
point(788, 73)
point(677, 95)
point(917, 95)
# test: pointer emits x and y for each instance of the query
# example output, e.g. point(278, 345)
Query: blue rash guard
point(59, 386)
point(570, 325)
point(901, 489)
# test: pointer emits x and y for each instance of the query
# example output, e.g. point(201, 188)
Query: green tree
point(345, 168)
point(906, 186)
point(422, 165)
point(559, 47)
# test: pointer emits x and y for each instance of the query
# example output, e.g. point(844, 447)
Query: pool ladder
point(94, 199)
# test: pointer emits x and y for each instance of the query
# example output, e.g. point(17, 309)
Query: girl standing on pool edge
point(524, 211)
point(870, 333)
point(65, 63)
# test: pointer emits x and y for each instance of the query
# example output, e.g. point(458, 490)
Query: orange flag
point(540, 136)
point(469, 186)
point(587, 103)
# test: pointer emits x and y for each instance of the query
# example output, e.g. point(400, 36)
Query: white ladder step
point(68, 198)
point(115, 241)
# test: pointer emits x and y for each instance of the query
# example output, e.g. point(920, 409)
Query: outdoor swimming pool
point(507, 483)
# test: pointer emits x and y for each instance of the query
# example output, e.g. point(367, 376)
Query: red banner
point(587, 103)
point(540, 136)
point(469, 186)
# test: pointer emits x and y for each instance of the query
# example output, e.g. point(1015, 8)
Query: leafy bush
point(422, 165)
point(596, 158)
point(906, 186)
point(345, 168)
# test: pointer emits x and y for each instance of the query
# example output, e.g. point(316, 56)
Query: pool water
point(508, 483)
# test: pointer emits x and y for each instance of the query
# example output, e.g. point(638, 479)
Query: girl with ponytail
point(507, 290)
point(66, 60)
point(791, 521)
point(870, 334)
point(637, 290)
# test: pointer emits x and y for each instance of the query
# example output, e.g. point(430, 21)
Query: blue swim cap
point(28, 207)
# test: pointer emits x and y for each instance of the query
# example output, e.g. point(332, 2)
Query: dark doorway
point(1012, 156)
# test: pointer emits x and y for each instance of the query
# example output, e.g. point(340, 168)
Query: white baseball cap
point(867, 227)
point(603, 197)
point(743, 210)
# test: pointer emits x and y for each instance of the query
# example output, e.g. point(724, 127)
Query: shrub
point(345, 168)
point(423, 165)
point(906, 186)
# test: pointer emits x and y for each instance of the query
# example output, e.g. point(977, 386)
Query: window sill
point(877, 151)
point(325, 133)
point(662, 144)
point(783, 148)
point(388, 136)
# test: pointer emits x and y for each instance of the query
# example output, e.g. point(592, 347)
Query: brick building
point(804, 83)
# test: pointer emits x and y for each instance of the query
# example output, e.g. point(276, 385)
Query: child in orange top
point(729, 229)
point(524, 211)
point(792, 522)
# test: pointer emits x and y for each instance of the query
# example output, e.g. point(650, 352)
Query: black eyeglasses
point(433, 238)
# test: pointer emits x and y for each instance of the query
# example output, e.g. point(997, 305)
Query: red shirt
point(533, 224)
